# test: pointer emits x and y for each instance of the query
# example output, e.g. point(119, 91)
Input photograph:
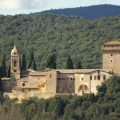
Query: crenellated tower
point(15, 64)
point(111, 56)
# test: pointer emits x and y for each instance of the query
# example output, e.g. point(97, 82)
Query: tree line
point(68, 64)
point(49, 63)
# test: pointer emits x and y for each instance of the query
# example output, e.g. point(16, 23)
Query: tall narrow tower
point(111, 56)
point(15, 65)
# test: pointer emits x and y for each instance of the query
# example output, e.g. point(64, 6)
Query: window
point(111, 61)
point(58, 78)
point(15, 70)
point(81, 78)
point(111, 54)
point(90, 77)
point(104, 77)
point(23, 84)
point(98, 77)
point(50, 75)
point(15, 63)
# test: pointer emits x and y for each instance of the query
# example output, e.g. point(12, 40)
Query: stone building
point(61, 81)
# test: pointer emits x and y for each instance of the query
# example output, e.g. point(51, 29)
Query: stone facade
point(61, 81)
point(111, 56)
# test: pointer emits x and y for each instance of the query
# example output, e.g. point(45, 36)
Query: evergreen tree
point(79, 65)
point(51, 61)
point(0, 81)
point(69, 63)
point(23, 64)
point(3, 67)
point(31, 59)
point(33, 66)
point(8, 74)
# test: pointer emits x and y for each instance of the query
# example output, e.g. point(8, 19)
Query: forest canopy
point(47, 34)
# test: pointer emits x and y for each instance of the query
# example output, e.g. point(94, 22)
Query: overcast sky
point(28, 6)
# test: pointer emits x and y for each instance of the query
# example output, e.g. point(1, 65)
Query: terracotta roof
point(111, 46)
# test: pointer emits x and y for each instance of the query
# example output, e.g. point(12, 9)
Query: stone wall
point(65, 83)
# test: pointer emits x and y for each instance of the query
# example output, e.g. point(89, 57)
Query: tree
point(33, 66)
point(69, 63)
point(51, 61)
point(8, 73)
point(0, 82)
point(79, 65)
point(3, 67)
point(31, 59)
point(23, 66)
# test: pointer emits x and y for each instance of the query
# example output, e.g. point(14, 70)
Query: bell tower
point(15, 64)
point(111, 56)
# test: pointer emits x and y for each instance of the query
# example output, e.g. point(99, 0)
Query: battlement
point(112, 46)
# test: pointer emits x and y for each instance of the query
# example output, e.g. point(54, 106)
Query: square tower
point(111, 56)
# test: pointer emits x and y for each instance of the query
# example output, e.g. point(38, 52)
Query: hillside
point(46, 34)
point(90, 12)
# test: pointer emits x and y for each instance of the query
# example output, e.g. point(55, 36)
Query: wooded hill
point(89, 12)
point(47, 34)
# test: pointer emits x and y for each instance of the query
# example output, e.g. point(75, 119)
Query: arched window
point(15, 63)
point(83, 88)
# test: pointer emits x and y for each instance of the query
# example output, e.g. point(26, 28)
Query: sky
point(12, 7)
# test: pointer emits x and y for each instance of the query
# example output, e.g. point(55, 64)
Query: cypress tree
point(23, 66)
point(8, 74)
point(79, 65)
point(51, 61)
point(3, 67)
point(0, 81)
point(33, 66)
point(69, 63)
point(31, 59)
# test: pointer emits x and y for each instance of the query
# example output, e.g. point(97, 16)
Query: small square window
point(111, 54)
point(15, 70)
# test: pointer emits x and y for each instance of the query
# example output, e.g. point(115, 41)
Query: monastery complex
point(53, 82)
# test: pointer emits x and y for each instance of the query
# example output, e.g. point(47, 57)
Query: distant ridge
point(90, 12)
